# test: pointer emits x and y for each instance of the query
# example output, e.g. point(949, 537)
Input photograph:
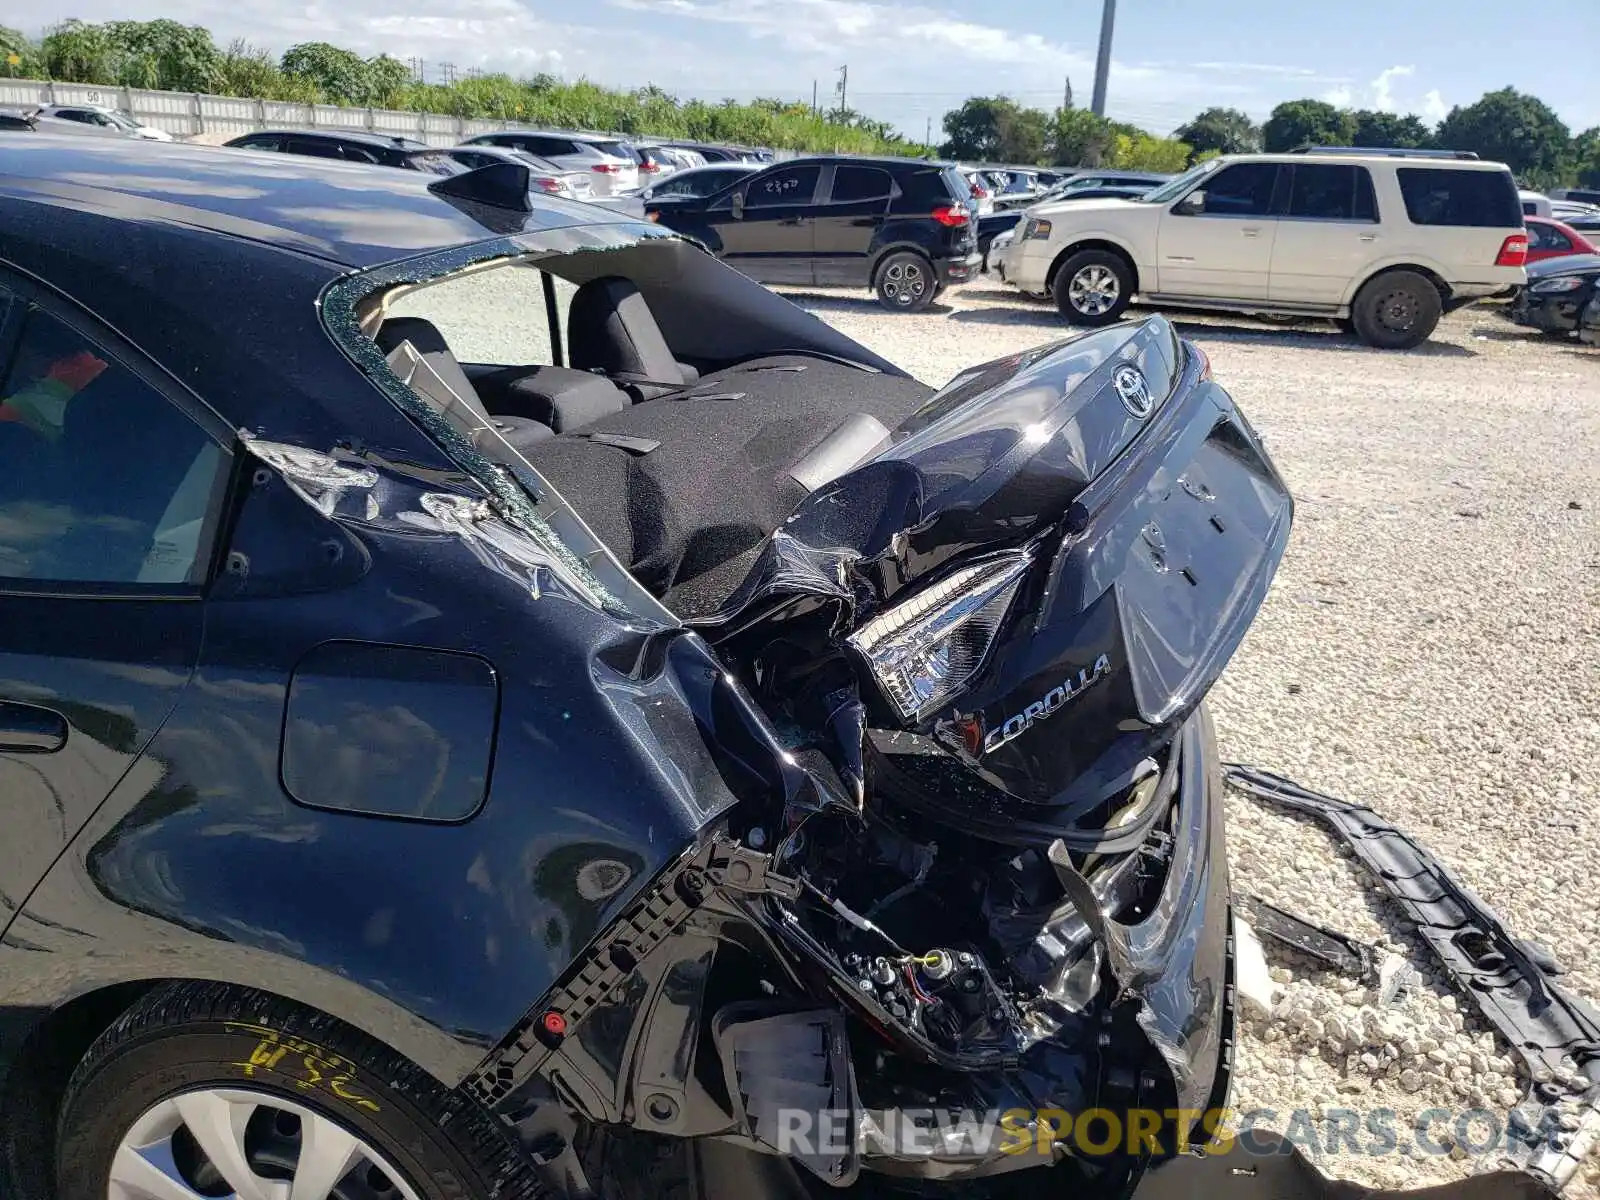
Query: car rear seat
point(611, 329)
point(684, 489)
point(429, 343)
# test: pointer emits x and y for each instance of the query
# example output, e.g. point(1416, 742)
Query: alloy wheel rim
point(903, 282)
point(1093, 290)
point(235, 1144)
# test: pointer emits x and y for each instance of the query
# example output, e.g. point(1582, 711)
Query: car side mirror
point(738, 206)
point(1193, 204)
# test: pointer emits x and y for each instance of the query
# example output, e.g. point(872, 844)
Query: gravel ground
point(1431, 647)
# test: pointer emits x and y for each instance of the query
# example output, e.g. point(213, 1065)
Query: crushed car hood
point(1153, 521)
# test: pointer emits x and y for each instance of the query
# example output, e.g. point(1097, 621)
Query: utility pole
point(448, 71)
point(1102, 66)
point(927, 134)
point(813, 99)
point(844, 90)
point(1066, 98)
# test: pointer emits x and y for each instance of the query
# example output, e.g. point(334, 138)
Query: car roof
point(1415, 162)
point(388, 141)
point(724, 166)
point(861, 160)
point(353, 214)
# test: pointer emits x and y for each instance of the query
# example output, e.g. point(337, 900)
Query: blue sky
point(911, 60)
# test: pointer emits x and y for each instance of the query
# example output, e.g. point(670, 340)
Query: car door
point(846, 223)
point(107, 505)
point(766, 225)
point(1217, 240)
point(1327, 235)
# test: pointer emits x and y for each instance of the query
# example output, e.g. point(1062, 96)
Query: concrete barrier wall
point(215, 119)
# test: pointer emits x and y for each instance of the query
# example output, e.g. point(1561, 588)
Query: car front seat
point(610, 329)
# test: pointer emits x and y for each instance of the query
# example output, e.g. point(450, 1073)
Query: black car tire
point(905, 282)
point(190, 1037)
point(1096, 268)
point(1396, 310)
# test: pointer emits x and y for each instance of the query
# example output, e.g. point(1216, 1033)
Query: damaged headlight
point(1563, 283)
point(924, 650)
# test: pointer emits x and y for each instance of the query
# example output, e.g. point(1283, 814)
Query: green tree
point(1586, 157)
point(1307, 122)
point(996, 129)
point(1079, 138)
point(247, 70)
point(1221, 130)
point(341, 76)
point(165, 55)
point(1146, 152)
point(1389, 129)
point(1514, 128)
point(79, 53)
point(387, 77)
point(19, 59)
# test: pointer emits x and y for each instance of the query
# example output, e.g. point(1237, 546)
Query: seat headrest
point(420, 332)
point(610, 328)
point(428, 342)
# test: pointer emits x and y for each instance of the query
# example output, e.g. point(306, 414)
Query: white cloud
point(1434, 109)
point(910, 60)
point(1339, 97)
point(1382, 89)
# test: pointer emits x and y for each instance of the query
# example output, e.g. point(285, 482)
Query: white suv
point(1383, 242)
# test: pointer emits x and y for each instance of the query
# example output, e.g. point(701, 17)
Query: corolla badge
point(1133, 390)
point(1048, 705)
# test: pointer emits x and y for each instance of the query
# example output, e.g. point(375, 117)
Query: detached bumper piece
point(1510, 979)
point(1263, 1166)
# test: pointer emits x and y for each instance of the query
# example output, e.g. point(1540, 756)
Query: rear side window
point(1445, 196)
point(439, 164)
point(1333, 193)
point(313, 147)
point(932, 187)
point(1547, 237)
point(857, 184)
point(106, 481)
point(787, 185)
point(263, 143)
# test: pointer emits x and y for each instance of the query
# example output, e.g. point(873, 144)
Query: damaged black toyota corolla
point(495, 704)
